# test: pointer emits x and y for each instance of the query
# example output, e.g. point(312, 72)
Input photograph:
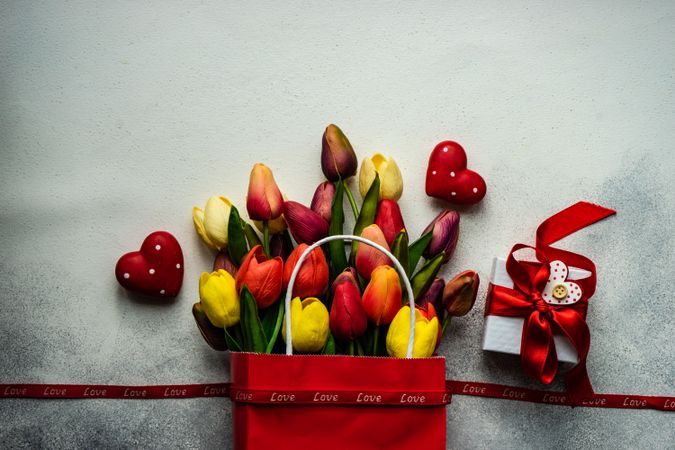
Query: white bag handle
point(348, 237)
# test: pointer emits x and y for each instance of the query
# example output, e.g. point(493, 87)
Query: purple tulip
point(323, 200)
point(306, 226)
point(434, 295)
point(445, 231)
point(338, 159)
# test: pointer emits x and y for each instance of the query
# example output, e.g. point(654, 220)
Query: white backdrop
point(117, 117)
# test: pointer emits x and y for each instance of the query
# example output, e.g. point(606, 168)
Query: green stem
point(352, 202)
point(446, 324)
point(359, 349)
point(376, 336)
point(350, 348)
point(266, 238)
point(277, 327)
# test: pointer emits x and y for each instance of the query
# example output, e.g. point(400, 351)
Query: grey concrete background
point(117, 117)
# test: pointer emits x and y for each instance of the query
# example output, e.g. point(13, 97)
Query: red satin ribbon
point(453, 387)
point(538, 354)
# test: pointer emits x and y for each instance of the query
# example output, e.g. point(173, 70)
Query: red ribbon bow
point(537, 351)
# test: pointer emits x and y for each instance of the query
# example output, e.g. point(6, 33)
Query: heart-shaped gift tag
point(156, 269)
point(449, 179)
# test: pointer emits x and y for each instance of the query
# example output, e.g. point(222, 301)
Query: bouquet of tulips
point(343, 302)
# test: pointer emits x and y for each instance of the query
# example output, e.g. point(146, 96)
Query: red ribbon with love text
point(453, 387)
point(538, 353)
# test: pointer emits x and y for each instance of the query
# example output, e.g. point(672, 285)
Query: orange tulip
point(262, 276)
point(369, 258)
point(382, 297)
point(312, 279)
point(264, 200)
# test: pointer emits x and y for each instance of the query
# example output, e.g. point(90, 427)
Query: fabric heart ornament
point(156, 269)
point(449, 179)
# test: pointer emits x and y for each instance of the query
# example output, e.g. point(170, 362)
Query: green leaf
point(236, 239)
point(269, 318)
point(232, 344)
point(329, 348)
point(399, 247)
point(368, 211)
point(336, 249)
point(417, 249)
point(277, 326)
point(254, 336)
point(251, 235)
point(423, 279)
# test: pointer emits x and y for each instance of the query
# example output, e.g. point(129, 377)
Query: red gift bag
point(338, 402)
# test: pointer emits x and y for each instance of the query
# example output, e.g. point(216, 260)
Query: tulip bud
point(262, 276)
point(391, 181)
point(389, 219)
point(460, 293)
point(382, 297)
point(306, 226)
point(281, 245)
point(309, 325)
point(434, 296)
point(264, 200)
point(444, 233)
point(211, 224)
point(219, 298)
point(426, 334)
point(224, 262)
point(213, 335)
point(348, 319)
point(338, 159)
point(312, 278)
point(322, 202)
point(368, 258)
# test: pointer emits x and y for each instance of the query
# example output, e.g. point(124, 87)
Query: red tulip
point(368, 258)
point(445, 231)
point(312, 279)
point(322, 201)
point(348, 319)
point(389, 219)
point(429, 312)
point(262, 276)
point(382, 297)
point(338, 159)
point(264, 200)
point(460, 293)
point(306, 226)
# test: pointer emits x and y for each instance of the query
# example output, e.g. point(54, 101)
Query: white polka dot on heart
point(177, 266)
point(475, 190)
point(126, 276)
point(162, 292)
point(452, 174)
point(158, 247)
point(151, 271)
point(433, 172)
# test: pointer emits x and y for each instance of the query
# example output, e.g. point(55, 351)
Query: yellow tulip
point(391, 181)
point(426, 334)
point(276, 225)
point(219, 298)
point(309, 325)
point(211, 223)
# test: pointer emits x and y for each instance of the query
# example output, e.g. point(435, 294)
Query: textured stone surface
point(117, 117)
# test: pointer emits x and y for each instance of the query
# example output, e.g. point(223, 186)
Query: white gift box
point(504, 334)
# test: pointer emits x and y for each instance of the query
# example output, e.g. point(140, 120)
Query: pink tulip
point(369, 258)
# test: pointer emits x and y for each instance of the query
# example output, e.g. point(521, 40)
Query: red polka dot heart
point(156, 269)
point(449, 179)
